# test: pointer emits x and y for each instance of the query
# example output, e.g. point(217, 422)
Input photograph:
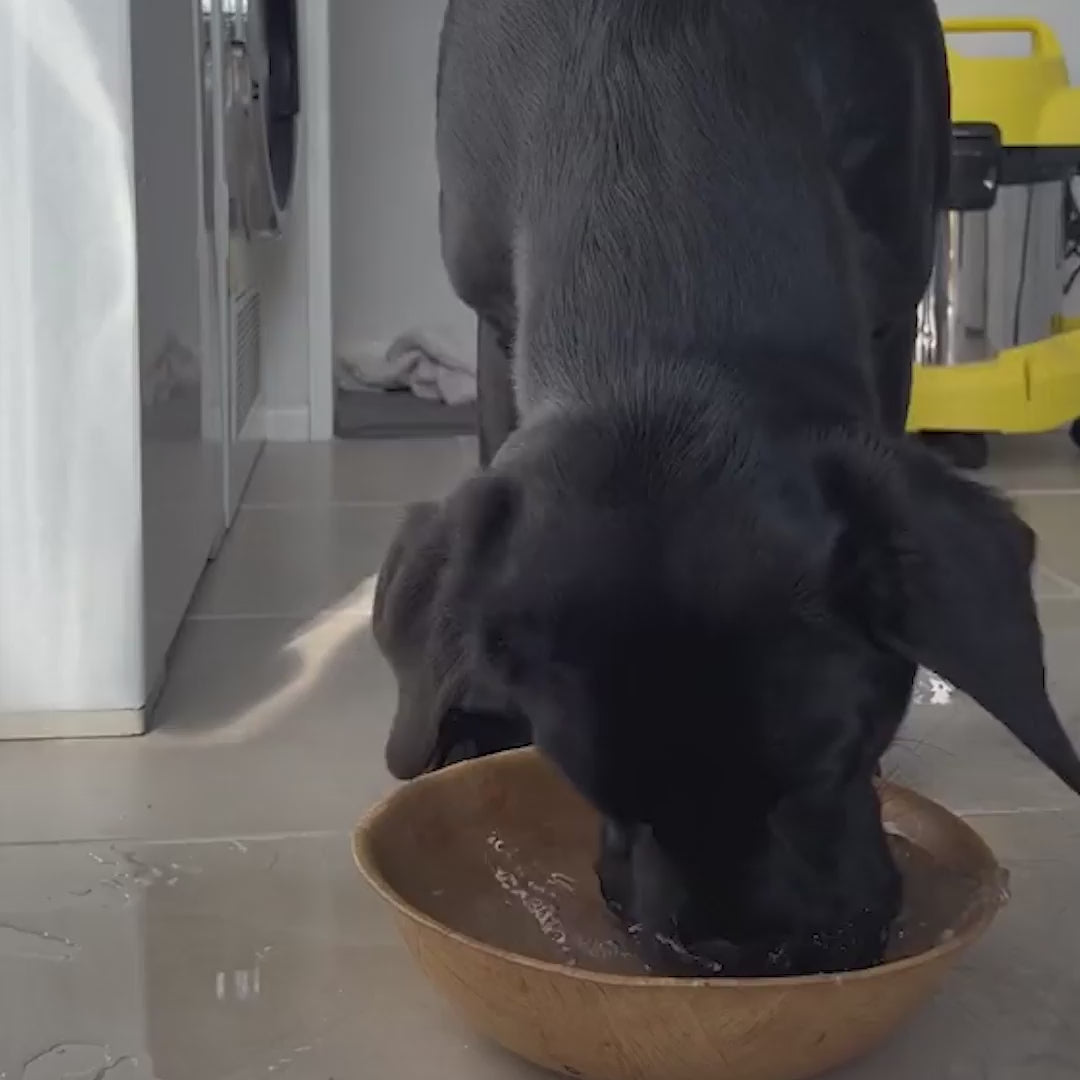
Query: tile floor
point(184, 907)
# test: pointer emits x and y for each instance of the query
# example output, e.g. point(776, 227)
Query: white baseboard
point(91, 724)
point(288, 425)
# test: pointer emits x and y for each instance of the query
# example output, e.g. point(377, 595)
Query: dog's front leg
point(497, 412)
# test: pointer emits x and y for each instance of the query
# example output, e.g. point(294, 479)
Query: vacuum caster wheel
point(964, 449)
point(1074, 433)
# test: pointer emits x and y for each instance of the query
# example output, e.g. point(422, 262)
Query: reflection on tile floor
point(184, 906)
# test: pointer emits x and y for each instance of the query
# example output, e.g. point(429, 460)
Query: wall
point(1060, 14)
point(388, 274)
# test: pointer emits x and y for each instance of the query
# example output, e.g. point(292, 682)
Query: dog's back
point(659, 185)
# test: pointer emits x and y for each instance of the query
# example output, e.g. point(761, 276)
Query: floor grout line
point(357, 600)
point(190, 841)
point(391, 504)
point(1012, 811)
point(296, 616)
point(395, 504)
point(330, 504)
point(345, 832)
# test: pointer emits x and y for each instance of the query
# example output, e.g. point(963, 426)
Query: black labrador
point(702, 565)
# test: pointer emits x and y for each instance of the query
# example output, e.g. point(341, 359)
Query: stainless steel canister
point(999, 273)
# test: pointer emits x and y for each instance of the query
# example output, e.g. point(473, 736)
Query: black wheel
point(963, 449)
point(1074, 433)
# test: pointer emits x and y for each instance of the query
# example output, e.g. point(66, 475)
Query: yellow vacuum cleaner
point(994, 351)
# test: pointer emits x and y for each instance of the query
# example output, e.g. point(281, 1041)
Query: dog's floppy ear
point(938, 568)
point(428, 587)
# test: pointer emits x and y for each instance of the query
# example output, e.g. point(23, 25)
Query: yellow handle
point(1044, 42)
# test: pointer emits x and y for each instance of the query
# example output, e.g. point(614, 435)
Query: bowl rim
point(363, 856)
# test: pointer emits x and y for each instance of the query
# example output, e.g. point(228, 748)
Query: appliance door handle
point(1044, 42)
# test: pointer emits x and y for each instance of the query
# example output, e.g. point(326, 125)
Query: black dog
point(702, 570)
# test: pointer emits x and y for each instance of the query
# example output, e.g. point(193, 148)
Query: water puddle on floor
point(16, 943)
point(79, 1061)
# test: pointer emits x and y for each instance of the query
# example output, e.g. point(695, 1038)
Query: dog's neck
point(688, 408)
point(628, 448)
point(634, 369)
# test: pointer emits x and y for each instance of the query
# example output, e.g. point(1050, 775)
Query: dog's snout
point(613, 869)
point(765, 910)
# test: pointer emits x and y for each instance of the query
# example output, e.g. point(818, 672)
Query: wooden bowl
point(488, 869)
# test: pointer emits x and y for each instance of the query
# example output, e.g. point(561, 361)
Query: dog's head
point(716, 653)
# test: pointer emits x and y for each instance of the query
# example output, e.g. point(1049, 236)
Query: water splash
point(539, 893)
point(932, 689)
point(533, 900)
point(288, 1059)
point(133, 874)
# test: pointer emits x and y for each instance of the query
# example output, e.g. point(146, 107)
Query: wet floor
point(184, 906)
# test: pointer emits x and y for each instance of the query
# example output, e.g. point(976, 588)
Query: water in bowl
point(552, 911)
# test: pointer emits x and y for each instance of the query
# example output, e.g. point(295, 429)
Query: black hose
point(1072, 232)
